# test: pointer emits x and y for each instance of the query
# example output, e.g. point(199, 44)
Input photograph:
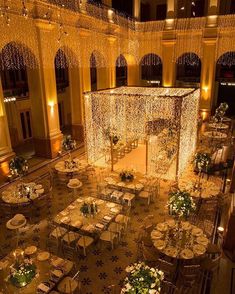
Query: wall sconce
point(204, 113)
point(205, 89)
point(51, 105)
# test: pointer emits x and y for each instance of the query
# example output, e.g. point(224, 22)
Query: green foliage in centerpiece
point(89, 208)
point(22, 273)
point(180, 203)
point(18, 166)
point(202, 161)
point(142, 279)
point(69, 143)
point(220, 112)
point(126, 176)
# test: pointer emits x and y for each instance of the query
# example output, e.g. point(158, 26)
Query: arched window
point(188, 68)
point(121, 71)
point(225, 78)
point(151, 69)
point(61, 71)
point(93, 72)
point(13, 72)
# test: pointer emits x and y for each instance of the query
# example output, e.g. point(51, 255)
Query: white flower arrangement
point(142, 279)
point(180, 203)
point(202, 160)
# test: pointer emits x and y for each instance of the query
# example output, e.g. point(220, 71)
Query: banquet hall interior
point(117, 171)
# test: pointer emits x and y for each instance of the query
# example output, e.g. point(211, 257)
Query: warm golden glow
point(166, 116)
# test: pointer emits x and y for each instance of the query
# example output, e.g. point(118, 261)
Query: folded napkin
point(115, 210)
point(108, 218)
point(99, 225)
point(57, 273)
point(44, 288)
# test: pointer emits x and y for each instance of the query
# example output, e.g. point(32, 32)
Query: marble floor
point(104, 267)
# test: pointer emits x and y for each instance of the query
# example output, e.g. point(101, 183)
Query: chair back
point(168, 288)
point(68, 252)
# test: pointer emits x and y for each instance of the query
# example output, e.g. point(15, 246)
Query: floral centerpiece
point(22, 273)
point(126, 176)
point(220, 112)
point(89, 209)
point(202, 161)
point(18, 166)
point(180, 203)
point(69, 143)
point(142, 279)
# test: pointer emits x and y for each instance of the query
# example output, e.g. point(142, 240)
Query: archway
point(63, 91)
point(17, 65)
point(121, 71)
point(225, 81)
point(151, 69)
point(188, 70)
point(93, 72)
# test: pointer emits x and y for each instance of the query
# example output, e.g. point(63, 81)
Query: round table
point(76, 166)
point(215, 135)
point(207, 189)
point(179, 240)
point(221, 126)
point(12, 194)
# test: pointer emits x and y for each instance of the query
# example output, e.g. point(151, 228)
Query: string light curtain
point(189, 38)
point(167, 117)
point(226, 42)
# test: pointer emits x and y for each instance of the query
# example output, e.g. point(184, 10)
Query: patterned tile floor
point(102, 266)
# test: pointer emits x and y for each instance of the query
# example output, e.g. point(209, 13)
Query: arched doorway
point(15, 63)
point(188, 70)
point(63, 92)
point(93, 72)
point(121, 71)
point(151, 69)
point(225, 81)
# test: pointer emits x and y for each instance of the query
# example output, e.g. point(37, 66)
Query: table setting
point(125, 181)
point(180, 240)
point(70, 165)
point(22, 193)
point(32, 270)
point(89, 215)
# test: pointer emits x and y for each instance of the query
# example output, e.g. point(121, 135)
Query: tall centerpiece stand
point(180, 205)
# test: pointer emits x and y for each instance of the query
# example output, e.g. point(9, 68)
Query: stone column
point(6, 152)
point(208, 73)
point(170, 15)
point(136, 9)
point(47, 134)
point(169, 67)
point(75, 88)
point(213, 7)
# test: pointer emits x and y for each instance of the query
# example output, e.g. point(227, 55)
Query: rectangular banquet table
point(135, 186)
point(71, 217)
point(44, 271)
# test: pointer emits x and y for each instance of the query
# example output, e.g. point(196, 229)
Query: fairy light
point(130, 112)
point(24, 10)
point(4, 12)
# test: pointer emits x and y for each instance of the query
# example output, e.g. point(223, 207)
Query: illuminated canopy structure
point(164, 118)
